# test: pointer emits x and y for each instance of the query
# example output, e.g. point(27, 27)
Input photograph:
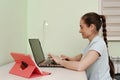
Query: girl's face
point(85, 30)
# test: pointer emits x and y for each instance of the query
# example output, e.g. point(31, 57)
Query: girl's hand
point(57, 59)
point(64, 57)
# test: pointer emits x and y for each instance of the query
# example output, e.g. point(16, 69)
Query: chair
point(117, 76)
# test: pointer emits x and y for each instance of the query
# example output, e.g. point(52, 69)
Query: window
point(111, 9)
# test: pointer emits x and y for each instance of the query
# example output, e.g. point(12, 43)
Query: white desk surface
point(56, 74)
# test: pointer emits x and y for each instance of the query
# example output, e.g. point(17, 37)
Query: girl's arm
point(75, 58)
point(81, 65)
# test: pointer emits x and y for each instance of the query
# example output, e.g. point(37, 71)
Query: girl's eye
point(81, 27)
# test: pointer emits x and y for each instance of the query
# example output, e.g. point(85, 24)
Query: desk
point(57, 74)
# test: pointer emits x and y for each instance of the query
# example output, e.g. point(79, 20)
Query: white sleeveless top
point(100, 69)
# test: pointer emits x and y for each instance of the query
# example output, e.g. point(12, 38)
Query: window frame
point(113, 33)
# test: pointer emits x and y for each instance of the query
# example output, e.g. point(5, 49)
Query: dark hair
point(98, 21)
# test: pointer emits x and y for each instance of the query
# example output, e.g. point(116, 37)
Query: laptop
point(38, 55)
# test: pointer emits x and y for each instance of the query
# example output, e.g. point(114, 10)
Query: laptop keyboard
point(49, 63)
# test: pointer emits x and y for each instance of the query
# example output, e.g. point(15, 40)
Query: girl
point(94, 58)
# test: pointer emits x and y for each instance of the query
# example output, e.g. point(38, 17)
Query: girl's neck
point(92, 37)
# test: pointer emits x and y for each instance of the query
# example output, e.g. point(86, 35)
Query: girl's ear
point(92, 26)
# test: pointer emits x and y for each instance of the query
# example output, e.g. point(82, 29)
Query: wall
point(24, 19)
point(13, 28)
point(61, 35)
point(114, 48)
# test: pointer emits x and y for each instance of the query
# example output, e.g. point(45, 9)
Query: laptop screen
point(37, 50)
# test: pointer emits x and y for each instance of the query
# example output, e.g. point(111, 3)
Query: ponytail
point(112, 69)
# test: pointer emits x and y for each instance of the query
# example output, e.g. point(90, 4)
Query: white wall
point(13, 28)
point(61, 35)
point(63, 16)
point(23, 19)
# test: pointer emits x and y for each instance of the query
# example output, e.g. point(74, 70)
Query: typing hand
point(57, 59)
point(64, 57)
